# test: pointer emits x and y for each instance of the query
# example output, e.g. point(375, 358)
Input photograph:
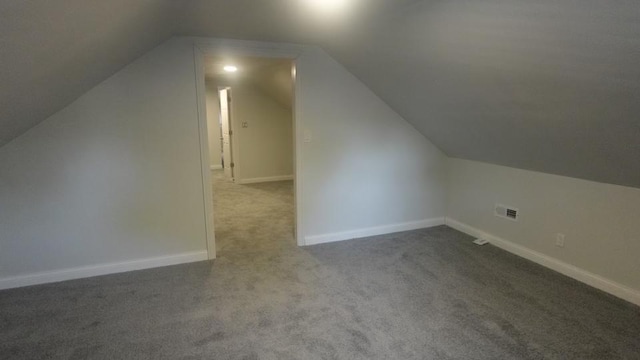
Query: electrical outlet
point(560, 240)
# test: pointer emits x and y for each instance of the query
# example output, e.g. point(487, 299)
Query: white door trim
point(214, 47)
point(229, 156)
point(207, 200)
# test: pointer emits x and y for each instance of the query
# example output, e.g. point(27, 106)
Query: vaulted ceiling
point(546, 85)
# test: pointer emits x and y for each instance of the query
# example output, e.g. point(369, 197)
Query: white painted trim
point(298, 133)
point(215, 167)
point(372, 231)
point(589, 278)
point(207, 191)
point(103, 269)
point(265, 179)
point(233, 47)
point(234, 136)
point(226, 47)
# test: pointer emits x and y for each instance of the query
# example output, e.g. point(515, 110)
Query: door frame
point(214, 47)
point(232, 143)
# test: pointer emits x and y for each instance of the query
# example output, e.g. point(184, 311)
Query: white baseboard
point(103, 269)
point(372, 231)
point(265, 179)
point(591, 279)
point(216, 167)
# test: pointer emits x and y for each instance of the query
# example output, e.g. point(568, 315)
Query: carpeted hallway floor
point(425, 294)
point(252, 217)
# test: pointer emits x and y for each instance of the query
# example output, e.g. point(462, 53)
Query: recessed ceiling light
point(230, 68)
point(328, 4)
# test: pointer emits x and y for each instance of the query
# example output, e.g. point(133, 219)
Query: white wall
point(264, 149)
point(366, 170)
point(600, 221)
point(213, 125)
point(113, 177)
point(114, 181)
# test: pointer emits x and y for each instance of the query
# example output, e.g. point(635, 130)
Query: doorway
point(224, 97)
point(252, 165)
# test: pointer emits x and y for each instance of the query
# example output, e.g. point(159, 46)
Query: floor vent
point(507, 212)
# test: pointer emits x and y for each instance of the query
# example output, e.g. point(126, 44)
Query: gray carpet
point(252, 217)
point(425, 294)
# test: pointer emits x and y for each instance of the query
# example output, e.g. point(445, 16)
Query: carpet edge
point(100, 269)
point(594, 280)
point(372, 231)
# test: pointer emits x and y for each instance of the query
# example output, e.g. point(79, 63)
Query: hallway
point(253, 217)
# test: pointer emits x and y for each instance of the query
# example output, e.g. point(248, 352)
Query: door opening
point(226, 129)
point(251, 113)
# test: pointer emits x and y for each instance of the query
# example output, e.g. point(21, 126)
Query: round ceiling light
point(329, 5)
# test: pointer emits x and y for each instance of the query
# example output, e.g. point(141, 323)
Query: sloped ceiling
point(546, 85)
point(51, 52)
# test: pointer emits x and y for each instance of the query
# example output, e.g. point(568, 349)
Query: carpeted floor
point(425, 294)
point(252, 217)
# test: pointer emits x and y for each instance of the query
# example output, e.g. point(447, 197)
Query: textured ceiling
point(546, 85)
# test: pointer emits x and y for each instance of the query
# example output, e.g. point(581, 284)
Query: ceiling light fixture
point(328, 5)
point(230, 68)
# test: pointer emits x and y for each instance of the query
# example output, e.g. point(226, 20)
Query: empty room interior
point(319, 179)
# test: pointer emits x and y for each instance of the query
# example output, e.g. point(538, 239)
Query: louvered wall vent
point(507, 212)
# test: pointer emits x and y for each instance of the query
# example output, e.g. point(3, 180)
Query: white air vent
point(507, 212)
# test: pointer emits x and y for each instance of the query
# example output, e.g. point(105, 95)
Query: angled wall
point(365, 170)
point(113, 182)
point(112, 178)
point(599, 221)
